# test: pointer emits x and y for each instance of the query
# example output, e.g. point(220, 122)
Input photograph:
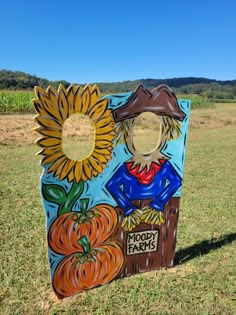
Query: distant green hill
point(214, 89)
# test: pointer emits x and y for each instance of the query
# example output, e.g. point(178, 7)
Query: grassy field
point(203, 280)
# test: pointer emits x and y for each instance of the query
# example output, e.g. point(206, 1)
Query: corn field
point(16, 102)
point(21, 101)
point(198, 101)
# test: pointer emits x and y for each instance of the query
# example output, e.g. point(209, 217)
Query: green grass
point(203, 279)
point(224, 100)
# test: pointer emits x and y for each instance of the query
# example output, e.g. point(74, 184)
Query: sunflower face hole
point(146, 132)
point(78, 137)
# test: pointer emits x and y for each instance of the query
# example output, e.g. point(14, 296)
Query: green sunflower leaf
point(54, 193)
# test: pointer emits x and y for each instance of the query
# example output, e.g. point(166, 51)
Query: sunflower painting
point(113, 212)
point(54, 108)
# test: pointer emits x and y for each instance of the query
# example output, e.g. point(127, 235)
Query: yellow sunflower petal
point(95, 94)
point(48, 142)
point(42, 111)
point(105, 130)
point(52, 94)
point(63, 102)
point(103, 151)
point(51, 158)
point(70, 176)
point(50, 150)
point(102, 144)
point(108, 157)
point(90, 88)
point(78, 89)
point(85, 100)
point(66, 169)
point(50, 107)
point(59, 169)
point(78, 101)
point(56, 164)
point(39, 107)
point(70, 97)
point(47, 122)
point(100, 157)
point(96, 165)
point(95, 173)
point(84, 178)
point(98, 109)
point(104, 121)
point(78, 171)
point(87, 170)
point(48, 132)
point(108, 136)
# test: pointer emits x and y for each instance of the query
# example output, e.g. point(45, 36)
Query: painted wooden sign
point(114, 212)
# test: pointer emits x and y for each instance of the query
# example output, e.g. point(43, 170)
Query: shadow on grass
point(202, 248)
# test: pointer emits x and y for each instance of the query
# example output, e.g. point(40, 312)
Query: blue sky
point(107, 41)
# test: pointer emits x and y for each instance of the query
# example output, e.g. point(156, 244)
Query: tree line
point(209, 88)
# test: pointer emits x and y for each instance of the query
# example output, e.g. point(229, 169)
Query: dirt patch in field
point(18, 129)
point(212, 121)
point(220, 116)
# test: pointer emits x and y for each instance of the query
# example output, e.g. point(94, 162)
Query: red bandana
point(144, 177)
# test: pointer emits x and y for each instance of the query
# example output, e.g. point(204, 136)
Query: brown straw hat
point(160, 101)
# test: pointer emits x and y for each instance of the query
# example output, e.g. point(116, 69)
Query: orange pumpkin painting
point(98, 224)
point(88, 268)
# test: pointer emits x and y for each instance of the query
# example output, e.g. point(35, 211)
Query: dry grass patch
point(18, 129)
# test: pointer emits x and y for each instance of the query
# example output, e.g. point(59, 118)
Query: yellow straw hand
point(132, 220)
point(152, 216)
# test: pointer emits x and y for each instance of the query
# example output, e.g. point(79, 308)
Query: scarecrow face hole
point(146, 132)
point(78, 137)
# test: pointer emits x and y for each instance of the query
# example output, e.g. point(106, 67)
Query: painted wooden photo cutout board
point(114, 212)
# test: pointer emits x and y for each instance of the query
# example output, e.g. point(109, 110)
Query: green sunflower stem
point(84, 242)
point(73, 195)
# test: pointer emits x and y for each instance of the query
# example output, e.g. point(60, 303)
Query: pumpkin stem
point(84, 242)
point(84, 205)
point(88, 255)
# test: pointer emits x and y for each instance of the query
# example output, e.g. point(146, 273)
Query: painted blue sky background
point(107, 41)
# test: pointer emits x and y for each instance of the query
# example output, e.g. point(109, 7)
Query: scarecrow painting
point(151, 175)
